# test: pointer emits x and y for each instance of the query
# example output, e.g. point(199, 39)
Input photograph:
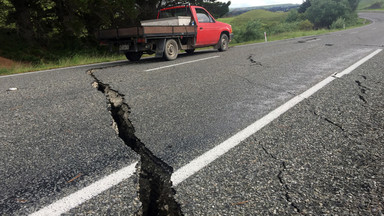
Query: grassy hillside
point(273, 8)
point(371, 4)
point(266, 17)
point(251, 26)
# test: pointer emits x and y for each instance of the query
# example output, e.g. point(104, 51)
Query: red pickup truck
point(176, 28)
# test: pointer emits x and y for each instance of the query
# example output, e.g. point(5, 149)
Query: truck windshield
point(174, 12)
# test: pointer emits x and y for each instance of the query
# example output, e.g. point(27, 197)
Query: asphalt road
point(324, 156)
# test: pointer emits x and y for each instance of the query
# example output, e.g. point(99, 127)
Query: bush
point(305, 25)
point(283, 27)
point(253, 30)
point(322, 13)
point(338, 24)
point(293, 16)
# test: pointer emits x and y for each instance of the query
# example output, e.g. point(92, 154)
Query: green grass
point(297, 34)
point(226, 20)
point(266, 17)
point(364, 4)
point(63, 62)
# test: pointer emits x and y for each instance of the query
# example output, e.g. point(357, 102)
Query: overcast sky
point(248, 3)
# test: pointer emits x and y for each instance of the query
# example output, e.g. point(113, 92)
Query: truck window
point(184, 11)
point(203, 16)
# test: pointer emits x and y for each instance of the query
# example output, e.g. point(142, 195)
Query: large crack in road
point(155, 187)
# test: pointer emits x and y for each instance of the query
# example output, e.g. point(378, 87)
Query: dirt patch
point(6, 63)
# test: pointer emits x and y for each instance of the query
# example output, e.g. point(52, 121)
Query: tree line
point(325, 13)
point(69, 21)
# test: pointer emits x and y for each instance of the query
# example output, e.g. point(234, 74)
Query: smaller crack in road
point(155, 187)
point(363, 89)
point(280, 177)
point(254, 62)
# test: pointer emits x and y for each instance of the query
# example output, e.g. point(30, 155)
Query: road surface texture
point(63, 130)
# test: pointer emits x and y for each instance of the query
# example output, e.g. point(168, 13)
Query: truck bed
point(147, 32)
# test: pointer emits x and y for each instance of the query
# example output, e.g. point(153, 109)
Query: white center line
point(188, 62)
point(71, 201)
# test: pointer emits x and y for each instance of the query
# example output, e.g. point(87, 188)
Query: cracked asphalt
point(331, 166)
point(324, 156)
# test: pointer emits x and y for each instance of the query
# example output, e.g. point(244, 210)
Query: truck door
point(207, 31)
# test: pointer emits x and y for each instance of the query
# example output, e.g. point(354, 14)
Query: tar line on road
point(155, 176)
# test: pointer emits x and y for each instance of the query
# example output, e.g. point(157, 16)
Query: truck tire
point(133, 56)
point(223, 43)
point(171, 50)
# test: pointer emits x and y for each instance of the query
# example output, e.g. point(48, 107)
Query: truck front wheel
point(224, 41)
point(171, 50)
point(133, 56)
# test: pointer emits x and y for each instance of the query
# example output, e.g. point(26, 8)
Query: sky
point(249, 3)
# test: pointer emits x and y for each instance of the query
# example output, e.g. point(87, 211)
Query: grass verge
point(75, 60)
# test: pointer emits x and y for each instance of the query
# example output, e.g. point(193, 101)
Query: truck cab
point(209, 30)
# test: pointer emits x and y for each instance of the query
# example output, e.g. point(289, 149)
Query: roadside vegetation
point(311, 18)
point(61, 33)
point(371, 5)
point(46, 34)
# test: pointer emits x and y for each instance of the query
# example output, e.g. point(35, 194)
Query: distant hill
point(266, 17)
point(273, 8)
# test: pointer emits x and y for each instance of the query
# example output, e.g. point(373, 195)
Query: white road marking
point(188, 62)
point(59, 69)
point(200, 162)
point(357, 64)
point(81, 196)
point(71, 201)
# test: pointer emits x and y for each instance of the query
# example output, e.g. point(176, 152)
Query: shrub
point(252, 31)
point(293, 16)
point(338, 24)
point(282, 27)
point(305, 25)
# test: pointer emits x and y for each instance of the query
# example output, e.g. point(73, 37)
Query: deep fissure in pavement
point(155, 186)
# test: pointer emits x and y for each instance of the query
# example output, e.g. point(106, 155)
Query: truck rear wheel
point(224, 41)
point(171, 50)
point(133, 56)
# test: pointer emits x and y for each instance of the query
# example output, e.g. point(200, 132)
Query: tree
point(304, 6)
point(322, 13)
point(353, 4)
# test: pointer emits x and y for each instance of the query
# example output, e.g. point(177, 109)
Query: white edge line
point(73, 200)
point(200, 162)
point(59, 69)
point(357, 64)
point(188, 62)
